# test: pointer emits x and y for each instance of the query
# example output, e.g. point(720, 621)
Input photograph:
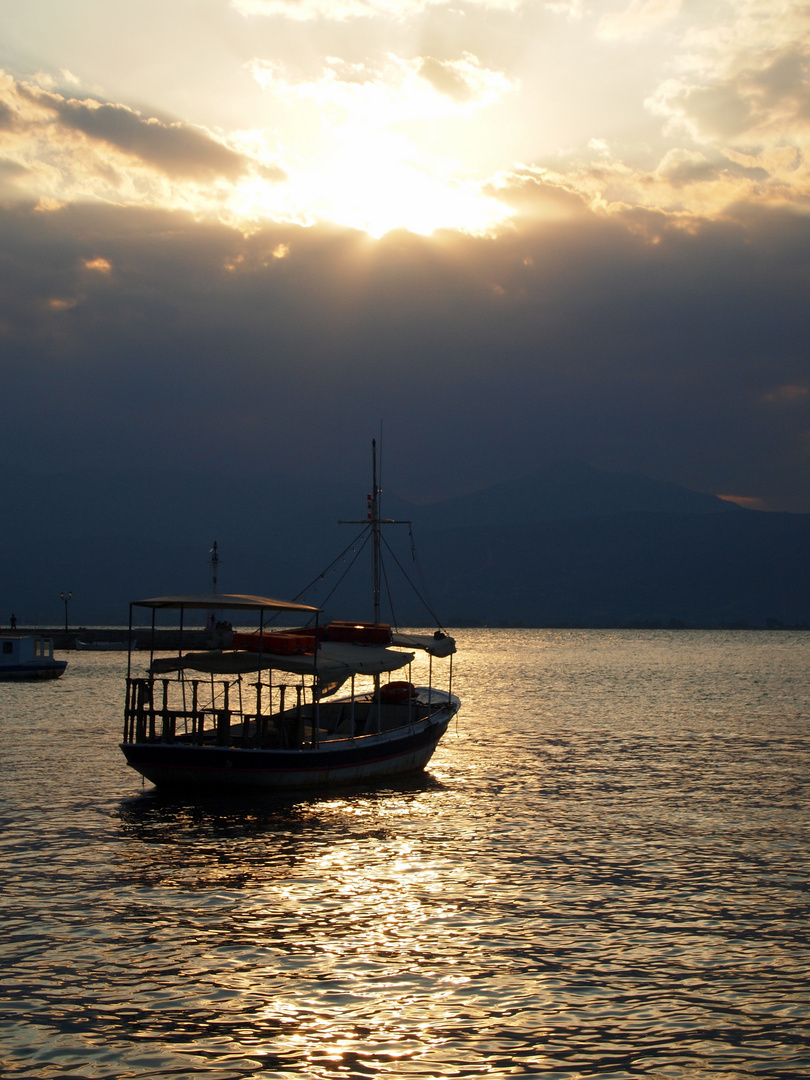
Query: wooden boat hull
point(338, 762)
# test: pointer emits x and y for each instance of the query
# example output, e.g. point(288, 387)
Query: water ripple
point(605, 874)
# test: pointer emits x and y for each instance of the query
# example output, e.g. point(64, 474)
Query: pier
point(165, 639)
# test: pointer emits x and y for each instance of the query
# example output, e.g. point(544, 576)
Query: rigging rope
point(365, 535)
point(388, 594)
point(323, 573)
point(419, 595)
point(425, 597)
point(342, 577)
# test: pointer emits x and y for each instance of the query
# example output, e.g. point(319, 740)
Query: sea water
point(604, 872)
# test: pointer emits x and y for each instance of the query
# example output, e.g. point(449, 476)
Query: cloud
point(98, 265)
point(397, 90)
point(343, 10)
point(746, 501)
point(631, 295)
point(540, 194)
point(787, 395)
point(6, 117)
point(770, 95)
point(640, 17)
point(743, 82)
point(733, 107)
point(737, 120)
point(624, 339)
point(446, 78)
point(573, 9)
point(58, 149)
point(682, 167)
point(356, 127)
point(178, 150)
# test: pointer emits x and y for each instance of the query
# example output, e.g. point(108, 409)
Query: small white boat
point(28, 658)
point(264, 713)
point(105, 646)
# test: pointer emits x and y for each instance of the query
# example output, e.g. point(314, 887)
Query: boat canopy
point(223, 602)
point(334, 659)
point(336, 662)
point(438, 644)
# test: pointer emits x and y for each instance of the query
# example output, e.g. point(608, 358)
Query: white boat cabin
point(28, 657)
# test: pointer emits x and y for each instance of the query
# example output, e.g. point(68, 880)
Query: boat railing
point(231, 712)
point(159, 710)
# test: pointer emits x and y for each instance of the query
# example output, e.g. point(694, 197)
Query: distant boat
point(105, 646)
point(194, 719)
point(28, 658)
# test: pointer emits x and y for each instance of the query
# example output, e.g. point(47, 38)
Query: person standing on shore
point(13, 621)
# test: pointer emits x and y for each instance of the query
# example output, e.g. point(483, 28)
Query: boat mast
point(374, 514)
point(374, 523)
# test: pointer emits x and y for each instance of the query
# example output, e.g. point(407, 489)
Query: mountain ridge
point(570, 529)
point(571, 489)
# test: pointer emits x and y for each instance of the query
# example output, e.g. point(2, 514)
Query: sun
point(379, 150)
point(380, 185)
point(375, 182)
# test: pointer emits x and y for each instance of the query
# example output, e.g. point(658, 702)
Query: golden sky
point(378, 114)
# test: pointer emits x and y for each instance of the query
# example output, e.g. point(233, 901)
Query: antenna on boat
point(212, 617)
point(214, 567)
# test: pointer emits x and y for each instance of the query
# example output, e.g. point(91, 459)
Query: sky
point(503, 232)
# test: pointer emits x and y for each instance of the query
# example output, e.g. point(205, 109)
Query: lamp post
point(64, 597)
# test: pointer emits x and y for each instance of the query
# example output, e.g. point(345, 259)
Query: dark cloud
point(274, 173)
point(728, 108)
point(7, 117)
point(631, 342)
point(445, 78)
point(687, 169)
point(10, 171)
point(176, 149)
point(721, 110)
point(786, 78)
point(537, 197)
point(680, 169)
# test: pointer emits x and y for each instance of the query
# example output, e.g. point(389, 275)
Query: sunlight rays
point(379, 116)
point(367, 168)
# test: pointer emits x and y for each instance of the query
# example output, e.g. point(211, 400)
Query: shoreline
point(164, 640)
point(168, 639)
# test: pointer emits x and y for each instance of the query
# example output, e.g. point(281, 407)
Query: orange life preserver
point(397, 691)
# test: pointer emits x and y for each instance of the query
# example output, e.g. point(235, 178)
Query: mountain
point(568, 489)
point(565, 544)
point(633, 569)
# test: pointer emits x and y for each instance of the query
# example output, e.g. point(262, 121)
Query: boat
point(27, 658)
point(311, 706)
point(104, 646)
